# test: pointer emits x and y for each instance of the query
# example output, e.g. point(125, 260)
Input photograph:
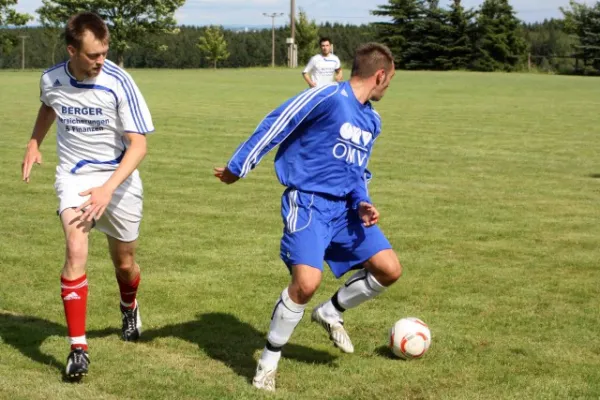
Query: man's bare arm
point(308, 80)
point(338, 75)
point(43, 122)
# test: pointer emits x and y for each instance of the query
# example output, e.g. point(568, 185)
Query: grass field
point(488, 185)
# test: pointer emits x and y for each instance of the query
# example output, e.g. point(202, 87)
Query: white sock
point(269, 358)
point(361, 286)
point(128, 305)
point(73, 341)
point(330, 312)
point(286, 316)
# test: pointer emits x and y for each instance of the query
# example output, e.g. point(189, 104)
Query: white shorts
point(121, 219)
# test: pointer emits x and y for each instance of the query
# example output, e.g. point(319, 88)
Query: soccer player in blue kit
point(325, 137)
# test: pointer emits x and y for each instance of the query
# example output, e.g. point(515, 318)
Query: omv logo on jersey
point(353, 144)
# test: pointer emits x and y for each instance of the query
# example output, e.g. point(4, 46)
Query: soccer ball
point(409, 338)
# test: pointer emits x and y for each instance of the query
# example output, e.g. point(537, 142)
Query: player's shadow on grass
point(595, 176)
point(227, 339)
point(27, 334)
point(385, 352)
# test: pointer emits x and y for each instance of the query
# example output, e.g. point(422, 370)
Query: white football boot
point(335, 328)
point(264, 378)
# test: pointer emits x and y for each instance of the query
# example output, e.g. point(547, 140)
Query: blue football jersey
point(325, 136)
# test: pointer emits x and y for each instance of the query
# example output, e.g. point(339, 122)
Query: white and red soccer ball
point(409, 338)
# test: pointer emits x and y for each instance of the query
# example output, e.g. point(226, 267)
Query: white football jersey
point(92, 116)
point(322, 69)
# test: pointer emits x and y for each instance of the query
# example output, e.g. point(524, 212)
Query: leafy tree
point(213, 45)
point(52, 29)
point(9, 17)
point(307, 37)
point(550, 46)
point(130, 21)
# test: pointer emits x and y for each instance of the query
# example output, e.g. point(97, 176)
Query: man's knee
point(395, 269)
point(385, 267)
point(122, 254)
point(304, 291)
point(77, 250)
point(124, 261)
point(305, 282)
point(76, 234)
point(125, 266)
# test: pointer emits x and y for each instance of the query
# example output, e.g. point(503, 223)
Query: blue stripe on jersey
point(284, 119)
point(126, 82)
point(83, 163)
point(57, 66)
point(115, 69)
point(127, 96)
point(76, 84)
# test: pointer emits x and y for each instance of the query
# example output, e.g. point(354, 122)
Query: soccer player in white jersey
point(324, 68)
point(102, 120)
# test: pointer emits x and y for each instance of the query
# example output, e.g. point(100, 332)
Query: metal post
point(273, 16)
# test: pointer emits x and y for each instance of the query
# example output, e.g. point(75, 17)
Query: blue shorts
point(319, 228)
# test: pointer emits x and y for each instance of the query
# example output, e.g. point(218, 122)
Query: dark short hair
point(85, 21)
point(324, 39)
point(371, 57)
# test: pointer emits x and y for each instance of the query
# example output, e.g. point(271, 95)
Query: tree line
point(423, 34)
point(181, 50)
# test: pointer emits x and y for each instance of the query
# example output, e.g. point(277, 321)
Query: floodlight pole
point(273, 16)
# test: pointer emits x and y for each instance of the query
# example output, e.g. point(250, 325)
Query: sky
point(250, 12)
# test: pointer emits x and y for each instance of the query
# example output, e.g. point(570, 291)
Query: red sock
point(74, 295)
point(128, 291)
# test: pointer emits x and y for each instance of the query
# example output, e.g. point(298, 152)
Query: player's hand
point(225, 175)
point(313, 85)
point(32, 156)
point(95, 206)
point(368, 214)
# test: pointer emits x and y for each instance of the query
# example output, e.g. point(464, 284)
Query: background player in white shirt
point(102, 120)
point(324, 68)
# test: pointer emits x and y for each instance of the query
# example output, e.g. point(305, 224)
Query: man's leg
point(378, 272)
point(74, 290)
point(305, 237)
point(127, 272)
point(287, 314)
point(356, 246)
